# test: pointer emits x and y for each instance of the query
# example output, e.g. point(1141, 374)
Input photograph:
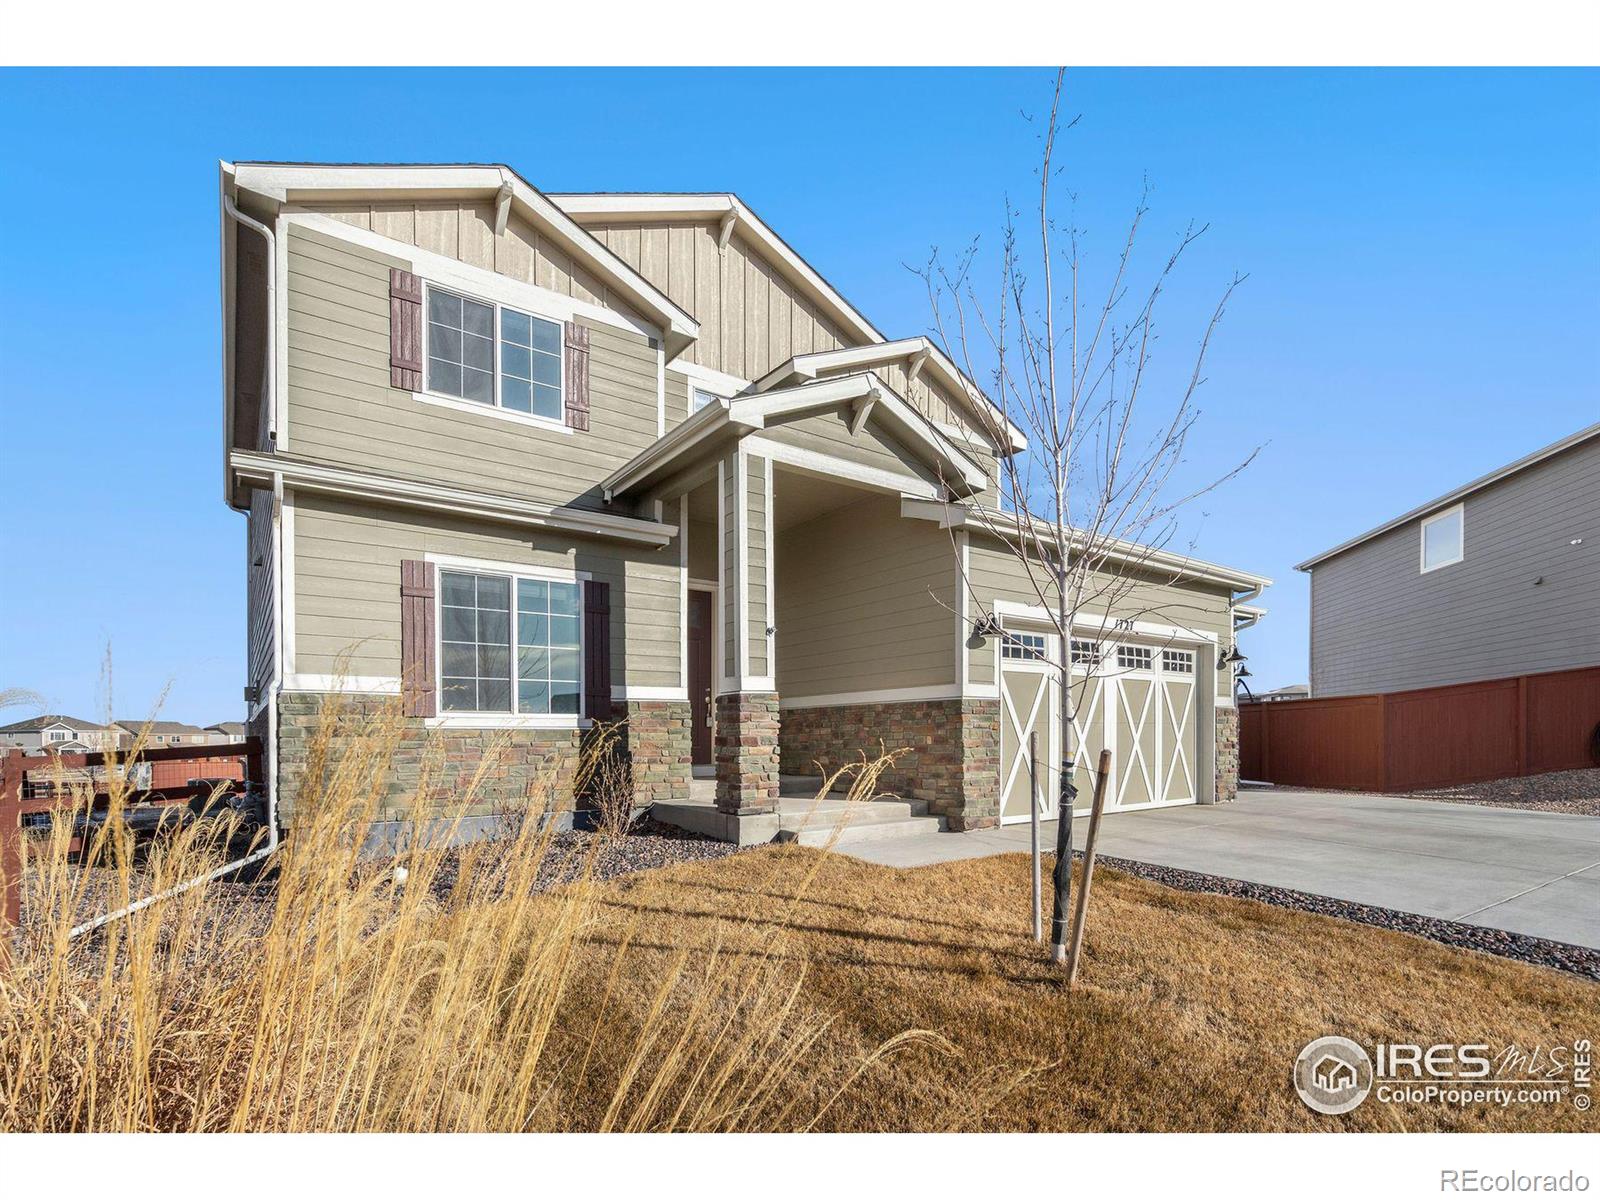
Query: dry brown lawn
point(1188, 1015)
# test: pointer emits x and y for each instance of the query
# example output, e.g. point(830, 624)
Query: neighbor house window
point(1134, 658)
point(57, 735)
point(463, 335)
point(1442, 541)
point(1025, 646)
point(508, 644)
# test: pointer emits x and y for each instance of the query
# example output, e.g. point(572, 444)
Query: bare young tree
point(1090, 509)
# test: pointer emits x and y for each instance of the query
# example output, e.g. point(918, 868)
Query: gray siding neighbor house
point(1499, 577)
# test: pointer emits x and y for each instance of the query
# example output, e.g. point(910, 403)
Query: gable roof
point(1460, 493)
point(289, 183)
point(934, 361)
point(159, 728)
point(729, 420)
point(35, 724)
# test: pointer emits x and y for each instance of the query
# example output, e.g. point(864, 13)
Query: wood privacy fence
point(26, 801)
point(1435, 737)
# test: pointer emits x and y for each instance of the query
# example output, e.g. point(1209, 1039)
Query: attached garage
point(1141, 697)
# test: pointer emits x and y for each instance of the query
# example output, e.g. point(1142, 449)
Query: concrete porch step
point(853, 828)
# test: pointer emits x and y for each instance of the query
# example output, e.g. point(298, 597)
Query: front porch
point(801, 815)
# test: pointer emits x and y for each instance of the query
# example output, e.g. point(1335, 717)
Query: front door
point(700, 677)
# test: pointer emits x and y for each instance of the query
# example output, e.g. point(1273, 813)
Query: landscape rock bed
point(1577, 960)
point(1559, 791)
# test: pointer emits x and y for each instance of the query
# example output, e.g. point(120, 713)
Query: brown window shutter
point(597, 650)
point(405, 330)
point(418, 673)
point(577, 397)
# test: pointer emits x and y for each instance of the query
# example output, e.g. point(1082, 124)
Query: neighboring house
point(224, 732)
point(1498, 578)
point(528, 461)
point(1295, 691)
point(164, 734)
point(59, 734)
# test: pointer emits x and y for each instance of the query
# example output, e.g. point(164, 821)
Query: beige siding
point(829, 433)
point(755, 515)
point(347, 557)
point(995, 574)
point(865, 601)
point(728, 532)
point(464, 230)
point(752, 317)
point(342, 409)
point(703, 551)
point(262, 588)
point(677, 400)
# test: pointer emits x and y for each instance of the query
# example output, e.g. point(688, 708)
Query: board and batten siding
point(829, 433)
point(752, 317)
point(261, 589)
point(342, 410)
point(1378, 624)
point(865, 602)
point(347, 556)
point(996, 574)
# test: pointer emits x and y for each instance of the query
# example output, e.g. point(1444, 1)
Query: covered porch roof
point(671, 463)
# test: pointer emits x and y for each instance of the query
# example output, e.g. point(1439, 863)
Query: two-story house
point(1496, 578)
point(530, 461)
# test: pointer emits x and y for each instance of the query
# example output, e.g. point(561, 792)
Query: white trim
point(480, 283)
point(683, 592)
point(1104, 625)
point(287, 581)
point(1455, 510)
point(741, 500)
point(661, 386)
point(454, 562)
point(815, 463)
point(316, 477)
point(493, 410)
point(937, 691)
point(722, 678)
point(507, 720)
point(717, 666)
point(278, 402)
point(964, 620)
point(770, 628)
point(289, 183)
point(637, 692)
point(360, 685)
point(715, 381)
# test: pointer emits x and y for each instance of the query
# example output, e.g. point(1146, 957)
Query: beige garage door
point(1029, 704)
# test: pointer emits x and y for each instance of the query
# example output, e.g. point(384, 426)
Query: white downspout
point(270, 755)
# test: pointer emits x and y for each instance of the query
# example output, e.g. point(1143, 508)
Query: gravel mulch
point(1559, 791)
point(1577, 960)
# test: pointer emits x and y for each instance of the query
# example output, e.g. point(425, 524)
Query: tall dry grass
point(422, 990)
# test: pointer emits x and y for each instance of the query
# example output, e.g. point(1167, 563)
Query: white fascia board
point(938, 364)
point(288, 183)
point(315, 477)
point(957, 515)
point(664, 454)
point(712, 206)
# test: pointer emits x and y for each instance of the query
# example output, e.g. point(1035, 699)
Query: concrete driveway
point(1534, 873)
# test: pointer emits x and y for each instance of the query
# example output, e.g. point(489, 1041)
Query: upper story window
point(58, 735)
point(493, 355)
point(1443, 540)
point(508, 644)
point(699, 398)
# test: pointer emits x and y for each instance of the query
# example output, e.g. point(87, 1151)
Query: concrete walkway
point(1534, 873)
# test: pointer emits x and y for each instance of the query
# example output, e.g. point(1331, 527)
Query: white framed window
point(1085, 653)
point(58, 735)
point(1026, 647)
point(1177, 662)
point(699, 398)
point(509, 644)
point(1443, 539)
point(492, 354)
point(1135, 658)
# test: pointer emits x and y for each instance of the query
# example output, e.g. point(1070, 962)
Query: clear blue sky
point(1423, 249)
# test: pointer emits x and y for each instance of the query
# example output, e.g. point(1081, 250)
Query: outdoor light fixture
point(982, 629)
point(1233, 656)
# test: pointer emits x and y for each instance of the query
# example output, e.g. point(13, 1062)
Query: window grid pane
point(475, 642)
point(460, 346)
point(530, 364)
point(1179, 662)
point(1134, 658)
point(548, 661)
point(1028, 646)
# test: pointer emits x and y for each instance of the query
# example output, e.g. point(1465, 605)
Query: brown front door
point(700, 676)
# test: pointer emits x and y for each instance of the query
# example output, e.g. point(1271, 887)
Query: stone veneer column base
point(1227, 754)
point(747, 753)
point(949, 751)
point(656, 736)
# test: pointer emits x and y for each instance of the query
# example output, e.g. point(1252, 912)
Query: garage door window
point(1134, 658)
point(1178, 662)
point(1027, 647)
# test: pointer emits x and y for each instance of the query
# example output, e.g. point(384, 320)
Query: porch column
point(747, 696)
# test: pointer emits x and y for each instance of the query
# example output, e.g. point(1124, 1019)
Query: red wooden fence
point(198, 761)
point(1434, 737)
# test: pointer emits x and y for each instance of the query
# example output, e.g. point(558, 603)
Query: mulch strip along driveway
point(1579, 960)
